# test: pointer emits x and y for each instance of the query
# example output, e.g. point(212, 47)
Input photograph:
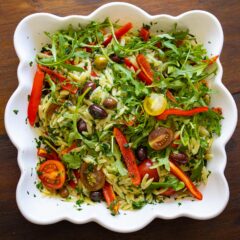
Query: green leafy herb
point(16, 111)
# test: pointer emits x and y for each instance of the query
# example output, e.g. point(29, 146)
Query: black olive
point(97, 112)
point(180, 158)
point(141, 153)
point(81, 126)
point(87, 85)
point(96, 196)
point(116, 58)
point(64, 192)
point(109, 103)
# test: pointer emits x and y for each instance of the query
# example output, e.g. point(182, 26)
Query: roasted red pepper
point(187, 181)
point(67, 150)
point(110, 197)
point(180, 112)
point(128, 156)
point(211, 60)
point(41, 152)
point(72, 184)
point(35, 96)
point(118, 33)
point(170, 96)
point(144, 34)
point(168, 192)
point(145, 66)
point(140, 75)
point(62, 79)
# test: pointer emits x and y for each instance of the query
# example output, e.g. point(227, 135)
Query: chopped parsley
point(16, 111)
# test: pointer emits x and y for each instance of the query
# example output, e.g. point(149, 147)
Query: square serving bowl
point(28, 40)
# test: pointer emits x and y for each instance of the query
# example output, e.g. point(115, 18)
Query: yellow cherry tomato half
point(155, 104)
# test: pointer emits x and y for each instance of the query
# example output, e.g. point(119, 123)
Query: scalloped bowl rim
point(117, 223)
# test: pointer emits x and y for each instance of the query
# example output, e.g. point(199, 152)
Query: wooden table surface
point(12, 223)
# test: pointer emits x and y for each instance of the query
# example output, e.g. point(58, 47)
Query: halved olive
point(160, 138)
point(109, 103)
point(92, 178)
point(64, 193)
point(81, 126)
point(141, 153)
point(180, 158)
point(90, 85)
point(97, 112)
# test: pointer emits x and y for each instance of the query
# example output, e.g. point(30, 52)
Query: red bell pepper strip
point(119, 33)
point(144, 34)
point(72, 184)
point(168, 192)
point(128, 156)
point(170, 96)
point(76, 173)
point(183, 177)
point(41, 152)
point(180, 112)
point(211, 60)
point(35, 96)
point(145, 66)
point(217, 110)
point(93, 74)
point(67, 150)
point(140, 75)
point(110, 197)
point(62, 79)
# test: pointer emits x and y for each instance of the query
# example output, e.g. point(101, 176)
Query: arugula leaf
point(162, 161)
point(169, 182)
point(73, 159)
point(71, 67)
point(197, 170)
point(139, 204)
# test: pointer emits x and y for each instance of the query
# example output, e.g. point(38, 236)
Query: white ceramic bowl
point(28, 39)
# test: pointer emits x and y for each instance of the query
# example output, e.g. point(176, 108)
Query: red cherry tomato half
point(144, 168)
point(52, 174)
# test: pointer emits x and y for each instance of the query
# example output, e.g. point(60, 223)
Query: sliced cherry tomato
point(144, 168)
point(92, 178)
point(155, 104)
point(52, 174)
point(160, 138)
